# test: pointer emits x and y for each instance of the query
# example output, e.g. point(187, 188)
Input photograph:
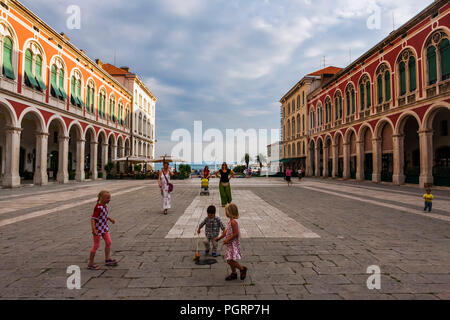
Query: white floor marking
point(61, 208)
point(416, 200)
point(382, 204)
point(258, 219)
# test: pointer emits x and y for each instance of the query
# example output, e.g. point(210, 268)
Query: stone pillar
point(426, 157)
point(346, 171)
point(398, 176)
point(376, 151)
point(316, 154)
point(40, 172)
point(308, 169)
point(326, 152)
point(335, 156)
point(11, 179)
point(104, 158)
point(114, 152)
point(63, 157)
point(79, 174)
point(359, 160)
point(94, 156)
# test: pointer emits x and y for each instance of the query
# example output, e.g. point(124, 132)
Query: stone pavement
point(43, 230)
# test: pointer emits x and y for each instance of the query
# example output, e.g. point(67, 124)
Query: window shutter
point(431, 57)
point(387, 83)
point(353, 102)
point(380, 88)
point(8, 70)
point(369, 96)
point(61, 84)
point(361, 93)
point(402, 78)
point(412, 74)
point(38, 73)
point(444, 50)
point(348, 103)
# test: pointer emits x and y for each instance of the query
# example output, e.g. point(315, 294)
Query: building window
point(57, 80)
point(438, 44)
point(8, 70)
point(338, 106)
point(90, 96)
point(350, 99)
point(75, 89)
point(328, 110)
point(364, 92)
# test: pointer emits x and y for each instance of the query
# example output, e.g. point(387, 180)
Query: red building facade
point(385, 117)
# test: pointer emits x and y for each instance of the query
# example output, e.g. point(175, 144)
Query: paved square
point(313, 240)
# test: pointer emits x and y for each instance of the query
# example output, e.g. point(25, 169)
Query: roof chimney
point(127, 69)
point(99, 62)
point(65, 36)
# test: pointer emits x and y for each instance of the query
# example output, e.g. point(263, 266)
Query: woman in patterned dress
point(233, 243)
point(163, 181)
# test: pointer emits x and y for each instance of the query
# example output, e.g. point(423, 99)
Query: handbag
point(168, 183)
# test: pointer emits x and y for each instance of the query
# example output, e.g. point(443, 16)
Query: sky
point(225, 62)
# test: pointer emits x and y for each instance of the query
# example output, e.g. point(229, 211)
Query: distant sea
point(196, 166)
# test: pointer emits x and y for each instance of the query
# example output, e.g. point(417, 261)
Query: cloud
point(227, 62)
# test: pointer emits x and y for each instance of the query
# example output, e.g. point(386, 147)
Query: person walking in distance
point(165, 185)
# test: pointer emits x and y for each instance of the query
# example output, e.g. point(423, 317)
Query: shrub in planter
point(100, 175)
point(72, 175)
point(109, 176)
point(137, 167)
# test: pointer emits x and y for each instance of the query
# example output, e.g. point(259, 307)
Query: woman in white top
point(164, 182)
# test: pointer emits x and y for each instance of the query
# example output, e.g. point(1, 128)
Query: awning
point(289, 160)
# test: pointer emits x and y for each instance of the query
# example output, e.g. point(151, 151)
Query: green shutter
point(361, 95)
point(348, 103)
point(412, 74)
point(402, 71)
point(353, 102)
point(29, 78)
point(61, 84)
point(432, 72)
point(54, 87)
point(8, 70)
point(72, 91)
point(444, 50)
point(387, 84)
point(380, 88)
point(336, 109)
point(369, 96)
point(340, 107)
point(38, 73)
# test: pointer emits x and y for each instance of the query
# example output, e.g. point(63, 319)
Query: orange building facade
point(386, 116)
point(62, 116)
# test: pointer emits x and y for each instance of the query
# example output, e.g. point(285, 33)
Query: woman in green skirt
point(224, 184)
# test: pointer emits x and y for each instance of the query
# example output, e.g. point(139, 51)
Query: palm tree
point(247, 159)
point(260, 159)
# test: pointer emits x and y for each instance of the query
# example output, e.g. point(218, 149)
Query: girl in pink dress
point(233, 243)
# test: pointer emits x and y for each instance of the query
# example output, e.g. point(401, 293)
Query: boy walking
point(212, 230)
point(428, 197)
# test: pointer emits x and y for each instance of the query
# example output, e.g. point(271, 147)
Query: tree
point(260, 159)
point(247, 159)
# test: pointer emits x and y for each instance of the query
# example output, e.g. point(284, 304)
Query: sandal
point(243, 273)
point(111, 263)
point(93, 267)
point(232, 276)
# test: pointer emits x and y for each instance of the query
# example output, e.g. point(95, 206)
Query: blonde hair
point(102, 194)
point(232, 210)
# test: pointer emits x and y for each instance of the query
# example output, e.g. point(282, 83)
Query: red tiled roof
point(113, 70)
point(327, 70)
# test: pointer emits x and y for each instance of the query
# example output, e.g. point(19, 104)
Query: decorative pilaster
point(79, 171)
point(398, 176)
point(346, 169)
point(359, 160)
point(426, 157)
point(376, 150)
point(63, 159)
point(11, 179)
point(40, 172)
point(325, 161)
point(104, 158)
point(94, 157)
point(316, 154)
point(335, 158)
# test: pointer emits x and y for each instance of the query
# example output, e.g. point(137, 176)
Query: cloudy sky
point(225, 62)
